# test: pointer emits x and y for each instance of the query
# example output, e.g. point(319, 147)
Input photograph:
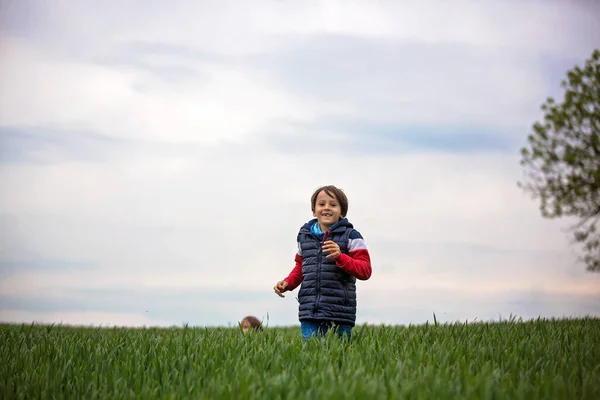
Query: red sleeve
point(357, 263)
point(294, 279)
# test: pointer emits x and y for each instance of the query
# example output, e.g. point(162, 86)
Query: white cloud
point(246, 28)
point(411, 83)
point(449, 306)
point(224, 104)
point(214, 225)
point(477, 70)
point(82, 318)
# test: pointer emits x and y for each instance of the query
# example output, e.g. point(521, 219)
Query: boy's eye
point(323, 205)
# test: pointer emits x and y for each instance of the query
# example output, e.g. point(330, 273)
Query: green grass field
point(543, 359)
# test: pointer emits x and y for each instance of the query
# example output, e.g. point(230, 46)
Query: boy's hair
point(254, 323)
point(333, 192)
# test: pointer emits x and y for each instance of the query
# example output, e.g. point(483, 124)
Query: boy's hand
point(280, 287)
point(332, 248)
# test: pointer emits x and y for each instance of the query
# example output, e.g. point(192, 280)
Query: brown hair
point(333, 192)
point(253, 322)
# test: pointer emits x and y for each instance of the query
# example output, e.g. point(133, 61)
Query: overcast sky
point(157, 158)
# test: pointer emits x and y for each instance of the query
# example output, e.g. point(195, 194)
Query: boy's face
point(245, 326)
point(327, 210)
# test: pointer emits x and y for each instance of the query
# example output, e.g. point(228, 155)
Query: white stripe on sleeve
point(356, 244)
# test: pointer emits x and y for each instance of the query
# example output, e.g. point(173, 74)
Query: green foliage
point(557, 359)
point(563, 157)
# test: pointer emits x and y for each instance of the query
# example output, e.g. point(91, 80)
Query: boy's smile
point(327, 210)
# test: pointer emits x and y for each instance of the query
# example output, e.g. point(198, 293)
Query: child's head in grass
point(251, 323)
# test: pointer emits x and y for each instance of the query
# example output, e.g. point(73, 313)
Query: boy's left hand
point(332, 248)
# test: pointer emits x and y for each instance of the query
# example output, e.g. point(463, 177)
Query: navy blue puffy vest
point(327, 292)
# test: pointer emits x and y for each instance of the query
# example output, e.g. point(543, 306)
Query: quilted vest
point(327, 292)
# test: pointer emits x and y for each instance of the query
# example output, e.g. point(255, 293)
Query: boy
point(251, 323)
point(331, 256)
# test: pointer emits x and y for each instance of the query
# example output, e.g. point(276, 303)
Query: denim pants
point(316, 328)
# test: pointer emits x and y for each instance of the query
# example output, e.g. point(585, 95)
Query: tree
point(562, 161)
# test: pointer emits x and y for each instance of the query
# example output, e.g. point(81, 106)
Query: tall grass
point(543, 359)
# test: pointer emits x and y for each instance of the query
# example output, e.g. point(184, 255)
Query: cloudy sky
point(157, 158)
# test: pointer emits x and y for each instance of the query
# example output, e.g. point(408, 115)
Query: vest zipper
point(319, 265)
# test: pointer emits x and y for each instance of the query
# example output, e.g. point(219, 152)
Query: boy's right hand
point(280, 287)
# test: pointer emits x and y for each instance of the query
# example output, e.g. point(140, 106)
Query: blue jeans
point(314, 328)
